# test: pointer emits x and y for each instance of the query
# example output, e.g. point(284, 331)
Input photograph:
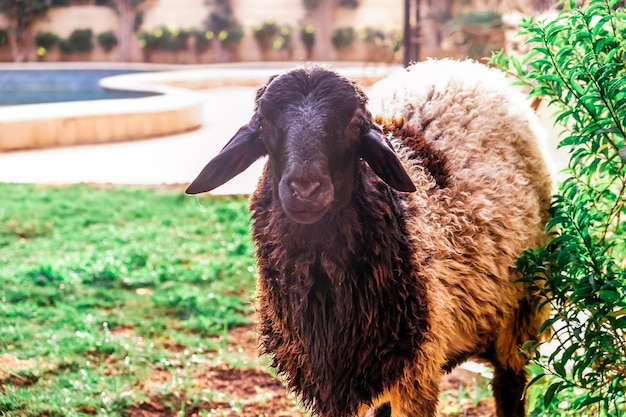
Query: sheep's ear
point(239, 153)
point(376, 150)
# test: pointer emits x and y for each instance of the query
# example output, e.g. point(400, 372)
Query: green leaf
point(550, 392)
point(585, 400)
point(549, 77)
point(599, 27)
point(517, 65)
point(609, 296)
point(535, 380)
point(559, 368)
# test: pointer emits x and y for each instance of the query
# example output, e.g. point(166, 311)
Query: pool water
point(58, 85)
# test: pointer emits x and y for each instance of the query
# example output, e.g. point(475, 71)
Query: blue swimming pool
point(57, 85)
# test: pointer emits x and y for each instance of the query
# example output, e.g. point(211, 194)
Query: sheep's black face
point(314, 126)
point(310, 123)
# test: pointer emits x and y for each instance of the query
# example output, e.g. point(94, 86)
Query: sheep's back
point(493, 144)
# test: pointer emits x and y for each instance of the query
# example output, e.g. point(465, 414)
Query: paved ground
point(174, 159)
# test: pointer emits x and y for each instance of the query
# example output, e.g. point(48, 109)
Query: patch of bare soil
point(242, 392)
point(21, 372)
point(255, 393)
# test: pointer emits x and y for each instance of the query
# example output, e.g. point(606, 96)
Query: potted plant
point(45, 42)
point(264, 34)
point(107, 40)
point(307, 36)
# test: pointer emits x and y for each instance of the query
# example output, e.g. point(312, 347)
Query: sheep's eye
point(268, 133)
point(356, 123)
point(265, 127)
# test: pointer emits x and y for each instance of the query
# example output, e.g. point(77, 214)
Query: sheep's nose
point(303, 188)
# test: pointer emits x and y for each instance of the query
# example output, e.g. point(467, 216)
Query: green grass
point(101, 286)
point(115, 299)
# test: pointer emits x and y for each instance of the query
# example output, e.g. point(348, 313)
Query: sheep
point(386, 244)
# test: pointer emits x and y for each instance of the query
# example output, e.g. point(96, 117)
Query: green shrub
point(181, 37)
point(4, 37)
point(46, 40)
point(81, 40)
point(203, 39)
point(270, 35)
point(164, 39)
point(231, 36)
point(65, 47)
point(395, 40)
point(107, 40)
point(265, 32)
point(577, 64)
point(371, 35)
point(283, 40)
point(146, 40)
point(307, 35)
point(342, 37)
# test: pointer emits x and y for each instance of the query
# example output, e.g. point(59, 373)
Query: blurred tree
point(127, 11)
point(221, 16)
point(21, 15)
point(440, 12)
point(321, 13)
point(228, 30)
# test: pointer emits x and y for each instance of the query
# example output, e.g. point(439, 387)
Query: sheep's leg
point(509, 378)
point(508, 389)
point(509, 363)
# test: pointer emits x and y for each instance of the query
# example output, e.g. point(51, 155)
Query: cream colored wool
point(471, 232)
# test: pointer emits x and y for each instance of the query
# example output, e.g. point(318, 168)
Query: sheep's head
point(315, 127)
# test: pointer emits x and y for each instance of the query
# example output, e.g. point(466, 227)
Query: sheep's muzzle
point(305, 195)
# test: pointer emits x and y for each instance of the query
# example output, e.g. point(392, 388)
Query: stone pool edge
point(31, 126)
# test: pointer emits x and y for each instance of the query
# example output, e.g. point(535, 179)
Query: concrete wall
point(379, 14)
point(64, 20)
point(289, 12)
point(382, 14)
point(192, 13)
point(178, 13)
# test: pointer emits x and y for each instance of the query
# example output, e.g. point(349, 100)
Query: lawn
point(136, 301)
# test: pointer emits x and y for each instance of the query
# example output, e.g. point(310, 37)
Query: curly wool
point(494, 208)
